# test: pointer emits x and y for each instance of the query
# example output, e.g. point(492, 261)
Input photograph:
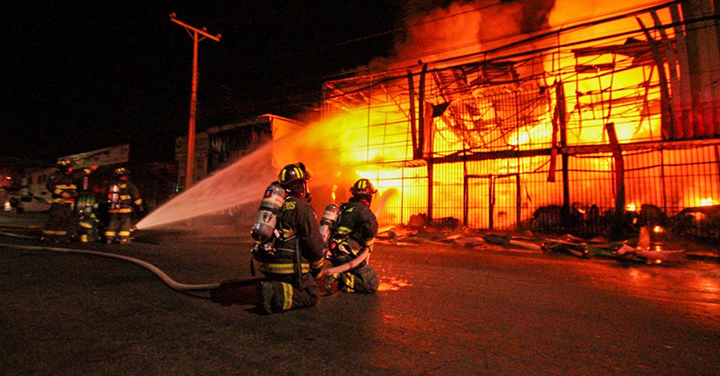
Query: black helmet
point(293, 177)
point(293, 172)
point(120, 171)
point(363, 187)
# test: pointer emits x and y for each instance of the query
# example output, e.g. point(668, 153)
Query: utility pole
point(197, 35)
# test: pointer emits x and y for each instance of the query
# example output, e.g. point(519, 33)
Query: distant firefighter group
point(73, 215)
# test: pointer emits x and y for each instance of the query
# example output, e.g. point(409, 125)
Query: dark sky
point(82, 75)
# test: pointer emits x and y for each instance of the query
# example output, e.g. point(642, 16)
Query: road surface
point(441, 310)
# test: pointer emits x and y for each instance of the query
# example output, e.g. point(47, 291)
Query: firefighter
point(86, 206)
point(89, 228)
point(62, 221)
point(354, 232)
point(123, 198)
point(296, 254)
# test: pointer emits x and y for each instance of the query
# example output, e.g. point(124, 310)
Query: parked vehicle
point(26, 203)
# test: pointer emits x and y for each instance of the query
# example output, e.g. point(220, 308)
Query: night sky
point(83, 75)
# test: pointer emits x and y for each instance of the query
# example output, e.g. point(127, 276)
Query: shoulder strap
point(342, 232)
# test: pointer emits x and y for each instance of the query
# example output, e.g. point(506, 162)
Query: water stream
point(237, 184)
point(244, 181)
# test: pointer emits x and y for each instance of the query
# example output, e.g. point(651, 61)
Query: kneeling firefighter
point(89, 223)
point(289, 248)
point(86, 207)
point(354, 233)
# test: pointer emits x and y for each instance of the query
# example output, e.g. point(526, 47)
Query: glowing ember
point(393, 284)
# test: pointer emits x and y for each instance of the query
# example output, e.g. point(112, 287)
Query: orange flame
point(601, 87)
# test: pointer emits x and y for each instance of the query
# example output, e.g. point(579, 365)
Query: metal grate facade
point(594, 126)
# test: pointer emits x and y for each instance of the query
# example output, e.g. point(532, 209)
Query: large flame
point(507, 105)
point(601, 86)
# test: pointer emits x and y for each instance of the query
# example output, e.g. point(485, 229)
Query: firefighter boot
point(265, 291)
point(329, 280)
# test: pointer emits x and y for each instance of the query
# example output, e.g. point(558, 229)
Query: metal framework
point(600, 125)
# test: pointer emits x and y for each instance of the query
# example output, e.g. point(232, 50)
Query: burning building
point(521, 105)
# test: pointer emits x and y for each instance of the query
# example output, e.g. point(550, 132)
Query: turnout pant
point(119, 226)
point(62, 223)
point(289, 294)
point(89, 229)
point(362, 279)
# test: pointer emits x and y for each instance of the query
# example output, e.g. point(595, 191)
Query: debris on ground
point(653, 256)
point(450, 232)
point(568, 244)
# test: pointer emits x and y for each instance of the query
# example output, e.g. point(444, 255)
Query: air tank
point(114, 196)
point(327, 221)
point(272, 202)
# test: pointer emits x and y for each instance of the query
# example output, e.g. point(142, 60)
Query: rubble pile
point(649, 245)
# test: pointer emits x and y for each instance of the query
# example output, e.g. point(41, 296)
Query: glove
point(343, 250)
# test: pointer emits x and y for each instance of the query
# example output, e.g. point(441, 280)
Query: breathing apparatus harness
point(265, 245)
point(338, 247)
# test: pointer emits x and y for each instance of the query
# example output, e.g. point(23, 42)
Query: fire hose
point(215, 288)
point(352, 264)
point(179, 287)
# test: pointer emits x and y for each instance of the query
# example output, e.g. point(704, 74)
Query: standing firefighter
point(294, 255)
point(62, 222)
point(123, 196)
point(85, 207)
point(354, 233)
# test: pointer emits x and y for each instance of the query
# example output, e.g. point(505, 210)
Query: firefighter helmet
point(64, 165)
point(363, 187)
point(293, 172)
point(120, 171)
point(293, 177)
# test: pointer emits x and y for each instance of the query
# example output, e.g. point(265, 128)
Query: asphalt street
point(441, 310)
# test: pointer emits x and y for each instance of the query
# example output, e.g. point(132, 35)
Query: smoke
point(434, 30)
point(571, 11)
point(437, 30)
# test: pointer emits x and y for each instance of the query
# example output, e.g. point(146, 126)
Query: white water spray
point(240, 183)
point(244, 181)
